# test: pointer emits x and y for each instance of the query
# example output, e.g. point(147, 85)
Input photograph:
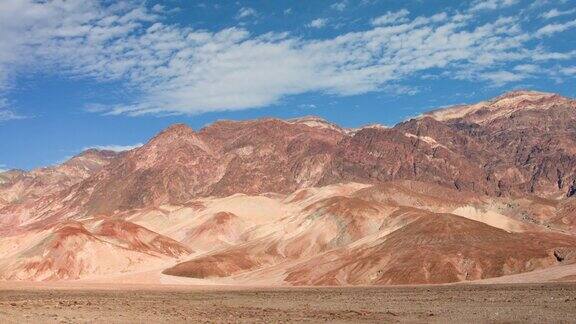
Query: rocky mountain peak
point(93, 153)
point(524, 98)
point(501, 106)
point(525, 93)
point(174, 131)
point(315, 121)
point(177, 135)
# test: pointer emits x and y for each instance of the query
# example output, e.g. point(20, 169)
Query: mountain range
point(469, 192)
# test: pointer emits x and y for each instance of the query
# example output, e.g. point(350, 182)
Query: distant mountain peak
point(94, 152)
point(352, 131)
point(514, 97)
point(315, 121)
point(308, 118)
point(501, 106)
point(173, 133)
point(177, 129)
point(525, 92)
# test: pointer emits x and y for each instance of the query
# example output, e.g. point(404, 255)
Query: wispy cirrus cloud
point(339, 6)
point(391, 18)
point(553, 13)
point(555, 28)
point(479, 5)
point(569, 70)
point(317, 23)
point(498, 78)
point(246, 12)
point(174, 69)
point(6, 113)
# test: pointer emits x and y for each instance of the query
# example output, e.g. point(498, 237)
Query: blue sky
point(77, 74)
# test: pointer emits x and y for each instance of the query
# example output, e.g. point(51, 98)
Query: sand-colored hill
point(465, 193)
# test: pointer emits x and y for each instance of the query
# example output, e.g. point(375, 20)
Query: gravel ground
point(539, 303)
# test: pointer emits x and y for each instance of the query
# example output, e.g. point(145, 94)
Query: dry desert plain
point(69, 303)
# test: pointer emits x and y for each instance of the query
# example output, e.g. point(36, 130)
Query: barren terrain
point(462, 194)
point(238, 220)
point(537, 303)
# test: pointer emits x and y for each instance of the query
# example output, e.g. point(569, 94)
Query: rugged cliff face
point(528, 140)
point(276, 201)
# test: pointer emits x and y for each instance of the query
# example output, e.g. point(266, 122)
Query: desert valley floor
point(526, 303)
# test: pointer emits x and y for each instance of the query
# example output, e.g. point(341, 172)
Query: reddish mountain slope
point(225, 158)
point(70, 251)
point(525, 140)
point(463, 193)
point(172, 168)
point(436, 248)
point(221, 230)
point(270, 155)
point(138, 238)
point(18, 186)
point(329, 223)
point(517, 151)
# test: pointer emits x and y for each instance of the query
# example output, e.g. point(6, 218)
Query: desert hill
point(463, 193)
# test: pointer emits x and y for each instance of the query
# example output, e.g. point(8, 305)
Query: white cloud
point(317, 23)
point(540, 55)
point(499, 78)
point(3, 168)
point(6, 113)
point(570, 70)
point(539, 3)
point(391, 18)
point(245, 12)
point(491, 4)
point(115, 148)
point(555, 28)
point(556, 13)
point(527, 68)
point(173, 69)
point(340, 6)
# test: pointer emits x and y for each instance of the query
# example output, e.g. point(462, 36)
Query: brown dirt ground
point(537, 303)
